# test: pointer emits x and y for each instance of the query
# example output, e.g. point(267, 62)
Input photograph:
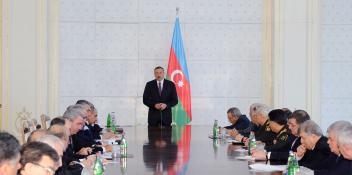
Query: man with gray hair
point(259, 124)
point(338, 165)
point(333, 130)
point(37, 134)
point(76, 115)
point(314, 150)
point(344, 140)
point(55, 143)
point(239, 123)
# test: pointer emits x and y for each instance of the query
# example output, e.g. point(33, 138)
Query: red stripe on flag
point(181, 82)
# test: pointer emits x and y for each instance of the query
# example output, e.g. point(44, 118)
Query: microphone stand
point(161, 119)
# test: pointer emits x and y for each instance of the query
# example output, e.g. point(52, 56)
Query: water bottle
point(251, 143)
point(123, 165)
point(98, 168)
point(113, 119)
point(113, 128)
point(292, 165)
point(123, 147)
point(215, 147)
point(215, 129)
point(295, 163)
point(108, 121)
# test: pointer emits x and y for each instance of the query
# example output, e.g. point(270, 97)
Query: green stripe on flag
point(179, 115)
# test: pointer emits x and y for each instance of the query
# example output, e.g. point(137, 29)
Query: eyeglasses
point(47, 169)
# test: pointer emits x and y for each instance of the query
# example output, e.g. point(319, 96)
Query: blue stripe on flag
point(178, 48)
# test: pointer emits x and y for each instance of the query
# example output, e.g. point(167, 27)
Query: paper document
point(265, 167)
point(245, 158)
point(232, 141)
point(241, 150)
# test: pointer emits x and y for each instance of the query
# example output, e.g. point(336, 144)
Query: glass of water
point(115, 150)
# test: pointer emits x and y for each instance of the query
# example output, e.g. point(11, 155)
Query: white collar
point(85, 127)
point(161, 81)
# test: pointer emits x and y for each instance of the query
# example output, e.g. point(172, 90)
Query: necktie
point(159, 87)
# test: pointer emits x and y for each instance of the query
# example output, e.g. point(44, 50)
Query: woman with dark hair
point(278, 124)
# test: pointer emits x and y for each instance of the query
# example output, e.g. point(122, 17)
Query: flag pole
point(177, 11)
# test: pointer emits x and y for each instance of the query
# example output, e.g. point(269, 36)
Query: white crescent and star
point(180, 82)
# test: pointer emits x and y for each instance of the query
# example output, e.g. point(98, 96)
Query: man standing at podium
point(160, 96)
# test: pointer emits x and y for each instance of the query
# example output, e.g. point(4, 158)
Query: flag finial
point(177, 10)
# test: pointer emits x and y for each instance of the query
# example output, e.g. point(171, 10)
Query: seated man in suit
point(9, 154)
point(37, 134)
point(285, 139)
point(38, 158)
point(259, 125)
point(337, 164)
point(314, 151)
point(56, 143)
point(239, 123)
point(75, 115)
point(90, 134)
point(93, 126)
point(344, 139)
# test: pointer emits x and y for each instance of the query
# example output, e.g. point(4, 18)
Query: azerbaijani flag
point(177, 72)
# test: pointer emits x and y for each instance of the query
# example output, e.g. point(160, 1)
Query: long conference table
point(180, 150)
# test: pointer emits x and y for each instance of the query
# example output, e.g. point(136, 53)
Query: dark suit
point(337, 165)
point(95, 131)
point(283, 155)
point(151, 97)
point(84, 138)
point(241, 125)
point(68, 157)
point(317, 158)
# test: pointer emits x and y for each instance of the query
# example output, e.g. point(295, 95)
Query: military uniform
point(282, 141)
point(264, 134)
